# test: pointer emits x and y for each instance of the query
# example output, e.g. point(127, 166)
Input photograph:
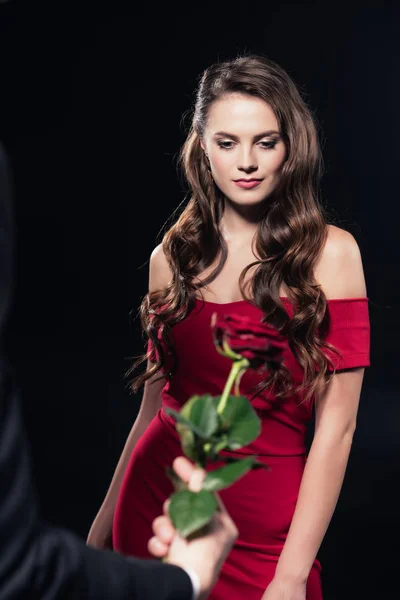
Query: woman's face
point(245, 148)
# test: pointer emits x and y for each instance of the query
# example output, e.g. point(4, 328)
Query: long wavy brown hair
point(291, 232)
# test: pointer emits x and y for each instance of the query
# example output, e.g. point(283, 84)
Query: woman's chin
point(247, 199)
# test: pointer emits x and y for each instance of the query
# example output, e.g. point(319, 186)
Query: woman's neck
point(240, 222)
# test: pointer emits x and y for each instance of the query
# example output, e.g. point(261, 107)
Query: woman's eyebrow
point(256, 137)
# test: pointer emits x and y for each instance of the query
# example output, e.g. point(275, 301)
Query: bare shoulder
point(339, 269)
point(160, 273)
point(339, 243)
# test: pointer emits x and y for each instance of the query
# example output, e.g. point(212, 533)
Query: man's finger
point(157, 548)
point(189, 473)
point(183, 468)
point(196, 480)
point(166, 506)
point(163, 529)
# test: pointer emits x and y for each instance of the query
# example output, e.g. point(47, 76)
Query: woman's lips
point(248, 184)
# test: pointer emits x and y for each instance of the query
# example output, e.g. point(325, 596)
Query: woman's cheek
point(280, 160)
point(221, 164)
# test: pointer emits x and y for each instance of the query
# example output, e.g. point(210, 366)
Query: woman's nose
point(247, 161)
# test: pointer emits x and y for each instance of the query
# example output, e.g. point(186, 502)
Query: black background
point(91, 101)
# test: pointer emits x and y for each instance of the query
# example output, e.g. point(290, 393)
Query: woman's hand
point(283, 590)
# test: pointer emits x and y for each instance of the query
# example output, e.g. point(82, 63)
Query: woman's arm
point(151, 403)
point(100, 532)
point(159, 274)
point(323, 475)
point(340, 274)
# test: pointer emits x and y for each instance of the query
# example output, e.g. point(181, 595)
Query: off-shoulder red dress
point(262, 502)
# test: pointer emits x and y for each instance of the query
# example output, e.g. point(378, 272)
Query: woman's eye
point(225, 145)
point(264, 145)
point(268, 145)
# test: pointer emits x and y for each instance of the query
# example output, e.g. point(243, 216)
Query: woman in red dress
point(252, 240)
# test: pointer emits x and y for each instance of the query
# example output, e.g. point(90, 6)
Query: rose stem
point(235, 370)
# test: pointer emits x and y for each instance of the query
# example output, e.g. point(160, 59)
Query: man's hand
point(205, 554)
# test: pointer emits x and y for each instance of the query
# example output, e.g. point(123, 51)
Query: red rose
point(258, 342)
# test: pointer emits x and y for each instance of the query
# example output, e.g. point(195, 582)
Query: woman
point(252, 240)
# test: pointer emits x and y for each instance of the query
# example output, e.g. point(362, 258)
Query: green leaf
point(188, 440)
point(256, 465)
point(225, 476)
point(202, 413)
point(179, 418)
point(239, 421)
point(220, 444)
point(190, 511)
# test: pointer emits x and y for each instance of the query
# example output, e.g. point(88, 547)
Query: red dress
point(262, 502)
